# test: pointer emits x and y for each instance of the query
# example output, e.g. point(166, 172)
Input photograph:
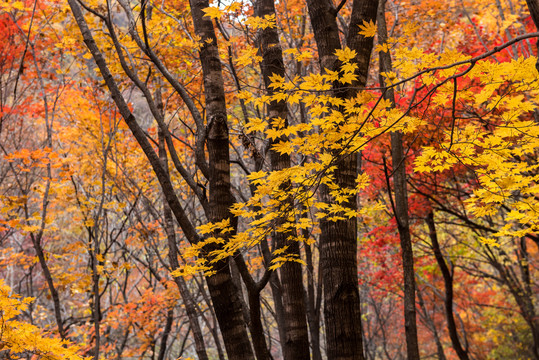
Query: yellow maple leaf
point(368, 29)
point(212, 12)
point(345, 54)
point(283, 147)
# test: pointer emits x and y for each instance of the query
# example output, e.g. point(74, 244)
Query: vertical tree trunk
point(448, 284)
point(338, 239)
point(254, 316)
point(533, 7)
point(36, 240)
point(401, 205)
point(295, 343)
point(224, 293)
point(528, 293)
point(166, 333)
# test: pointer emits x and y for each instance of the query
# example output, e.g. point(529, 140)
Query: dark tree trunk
point(338, 239)
point(254, 316)
point(224, 294)
point(295, 343)
point(448, 284)
point(312, 303)
point(166, 333)
point(400, 205)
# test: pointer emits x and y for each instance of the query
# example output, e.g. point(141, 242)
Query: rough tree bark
point(295, 343)
point(338, 239)
point(224, 293)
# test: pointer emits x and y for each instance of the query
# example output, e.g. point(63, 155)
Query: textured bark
point(227, 307)
point(295, 342)
point(338, 252)
point(338, 239)
point(224, 294)
point(400, 205)
point(362, 10)
point(533, 6)
point(401, 214)
point(448, 285)
point(326, 32)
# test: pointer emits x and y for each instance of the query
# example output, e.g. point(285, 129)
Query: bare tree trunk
point(50, 283)
point(401, 204)
point(166, 333)
point(312, 303)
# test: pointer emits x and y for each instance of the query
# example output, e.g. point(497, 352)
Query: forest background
point(271, 180)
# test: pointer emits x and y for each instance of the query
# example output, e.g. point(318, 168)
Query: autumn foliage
point(269, 179)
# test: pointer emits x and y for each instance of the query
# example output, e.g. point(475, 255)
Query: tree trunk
point(312, 303)
point(338, 239)
point(50, 283)
point(295, 343)
point(223, 292)
point(448, 284)
point(400, 205)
